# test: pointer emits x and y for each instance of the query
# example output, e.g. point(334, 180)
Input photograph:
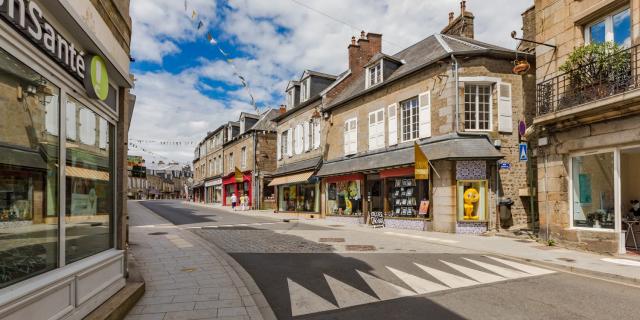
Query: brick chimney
point(282, 109)
point(462, 25)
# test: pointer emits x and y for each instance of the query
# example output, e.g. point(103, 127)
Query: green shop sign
point(27, 17)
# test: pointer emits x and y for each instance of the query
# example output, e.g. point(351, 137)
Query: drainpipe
point(254, 179)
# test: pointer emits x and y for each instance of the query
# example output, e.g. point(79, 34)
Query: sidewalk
point(186, 277)
point(621, 268)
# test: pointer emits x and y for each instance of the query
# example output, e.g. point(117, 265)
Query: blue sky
point(185, 88)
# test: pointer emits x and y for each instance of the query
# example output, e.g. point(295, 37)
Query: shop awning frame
point(292, 179)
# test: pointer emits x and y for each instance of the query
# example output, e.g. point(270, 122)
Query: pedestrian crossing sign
point(523, 152)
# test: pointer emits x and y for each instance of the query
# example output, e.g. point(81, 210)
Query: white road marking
point(384, 290)
point(449, 279)
point(624, 262)
point(420, 237)
point(419, 285)
point(479, 276)
point(507, 273)
point(346, 295)
point(523, 267)
point(303, 301)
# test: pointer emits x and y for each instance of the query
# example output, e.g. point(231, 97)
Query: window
point(376, 129)
point(311, 135)
point(374, 74)
point(593, 191)
point(283, 142)
point(231, 164)
point(316, 134)
point(89, 189)
point(472, 200)
point(299, 139)
point(345, 197)
point(290, 98)
point(29, 148)
point(211, 169)
point(477, 107)
point(305, 90)
point(243, 154)
point(615, 27)
point(409, 119)
point(351, 136)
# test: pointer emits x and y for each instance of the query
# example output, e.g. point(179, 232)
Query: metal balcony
point(589, 83)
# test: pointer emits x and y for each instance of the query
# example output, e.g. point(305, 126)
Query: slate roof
point(266, 122)
point(449, 147)
point(304, 165)
point(418, 56)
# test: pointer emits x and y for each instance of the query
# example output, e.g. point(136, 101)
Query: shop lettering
point(42, 33)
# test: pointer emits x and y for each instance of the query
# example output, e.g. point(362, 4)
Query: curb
point(239, 275)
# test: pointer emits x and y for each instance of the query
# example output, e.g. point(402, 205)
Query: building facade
point(64, 117)
point(454, 97)
point(587, 122)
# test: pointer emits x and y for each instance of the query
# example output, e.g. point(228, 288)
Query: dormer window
point(290, 99)
point(305, 90)
point(374, 74)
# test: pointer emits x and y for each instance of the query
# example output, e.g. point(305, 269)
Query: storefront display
point(344, 198)
point(231, 185)
point(593, 192)
point(298, 198)
point(404, 194)
point(472, 200)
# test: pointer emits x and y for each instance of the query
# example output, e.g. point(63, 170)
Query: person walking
point(243, 202)
point(234, 200)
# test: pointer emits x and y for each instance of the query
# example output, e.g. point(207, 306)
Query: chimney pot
point(353, 40)
point(451, 16)
point(463, 7)
point(282, 109)
point(362, 34)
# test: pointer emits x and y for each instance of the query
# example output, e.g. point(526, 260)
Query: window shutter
point(424, 115)
point(354, 136)
point(316, 135)
point(380, 131)
point(392, 116)
point(290, 142)
point(347, 138)
point(299, 139)
point(71, 121)
point(307, 141)
point(505, 108)
point(279, 145)
point(373, 131)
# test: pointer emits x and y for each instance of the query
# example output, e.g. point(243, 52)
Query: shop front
point(238, 184)
point(402, 199)
point(60, 250)
point(472, 195)
point(213, 191)
point(297, 193)
point(198, 192)
point(344, 198)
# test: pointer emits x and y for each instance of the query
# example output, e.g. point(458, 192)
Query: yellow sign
point(239, 175)
point(421, 163)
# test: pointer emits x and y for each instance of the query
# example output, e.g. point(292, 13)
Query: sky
point(186, 87)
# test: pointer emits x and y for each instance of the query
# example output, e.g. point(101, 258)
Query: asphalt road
point(306, 276)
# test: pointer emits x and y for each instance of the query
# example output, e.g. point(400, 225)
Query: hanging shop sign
point(239, 175)
point(27, 17)
point(422, 164)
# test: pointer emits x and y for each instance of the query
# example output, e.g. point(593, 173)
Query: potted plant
point(595, 71)
point(595, 218)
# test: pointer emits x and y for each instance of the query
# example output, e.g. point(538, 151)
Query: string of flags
point(228, 59)
point(136, 146)
point(164, 142)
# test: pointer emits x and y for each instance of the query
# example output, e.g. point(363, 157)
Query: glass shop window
point(29, 155)
point(472, 200)
point(593, 192)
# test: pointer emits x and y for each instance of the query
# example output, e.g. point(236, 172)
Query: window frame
point(347, 130)
point(305, 89)
point(378, 73)
point(376, 123)
point(477, 85)
point(243, 158)
point(416, 109)
point(609, 34)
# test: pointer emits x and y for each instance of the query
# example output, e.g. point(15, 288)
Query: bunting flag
point(200, 24)
point(212, 40)
point(194, 15)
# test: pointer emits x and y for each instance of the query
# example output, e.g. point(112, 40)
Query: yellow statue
point(471, 197)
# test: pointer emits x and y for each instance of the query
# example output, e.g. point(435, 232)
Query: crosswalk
point(305, 301)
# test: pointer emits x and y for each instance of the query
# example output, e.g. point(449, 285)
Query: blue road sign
point(523, 152)
point(505, 165)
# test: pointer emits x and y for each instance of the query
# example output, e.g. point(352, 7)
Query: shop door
point(374, 192)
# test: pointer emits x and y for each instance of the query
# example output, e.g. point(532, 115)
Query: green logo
point(96, 79)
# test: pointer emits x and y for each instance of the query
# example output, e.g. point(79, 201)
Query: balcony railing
point(590, 82)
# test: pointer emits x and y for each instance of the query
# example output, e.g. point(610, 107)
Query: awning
point(294, 178)
point(455, 148)
point(87, 173)
point(304, 165)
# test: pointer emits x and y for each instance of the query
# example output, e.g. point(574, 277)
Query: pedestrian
point(243, 201)
point(234, 200)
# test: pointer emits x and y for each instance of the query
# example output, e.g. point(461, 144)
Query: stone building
point(65, 111)
point(299, 144)
point(588, 124)
point(248, 158)
point(455, 97)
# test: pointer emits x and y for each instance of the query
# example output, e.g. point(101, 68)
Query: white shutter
point(424, 115)
point(316, 134)
point(373, 131)
point(52, 115)
point(353, 133)
point(71, 121)
point(290, 142)
point(279, 145)
point(299, 132)
point(307, 141)
point(380, 130)
point(347, 138)
point(392, 116)
point(505, 111)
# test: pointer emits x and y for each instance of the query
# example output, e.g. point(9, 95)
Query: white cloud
point(281, 39)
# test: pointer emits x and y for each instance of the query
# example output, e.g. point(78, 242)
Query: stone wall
point(291, 122)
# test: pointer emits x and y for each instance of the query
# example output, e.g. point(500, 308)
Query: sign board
point(376, 219)
point(424, 208)
point(505, 165)
point(421, 163)
point(239, 175)
point(523, 152)
point(522, 127)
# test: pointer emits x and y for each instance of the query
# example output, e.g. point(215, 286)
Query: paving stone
point(197, 297)
point(168, 307)
point(232, 312)
point(192, 315)
point(236, 303)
